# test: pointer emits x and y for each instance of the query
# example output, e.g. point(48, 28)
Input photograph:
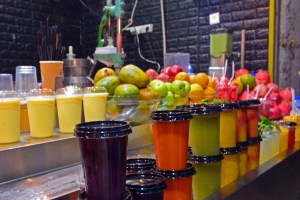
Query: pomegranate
point(275, 97)
point(275, 112)
point(262, 90)
point(286, 94)
point(274, 86)
point(284, 108)
point(262, 77)
point(240, 72)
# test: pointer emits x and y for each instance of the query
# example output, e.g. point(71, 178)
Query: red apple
point(163, 77)
point(275, 112)
point(274, 86)
point(275, 97)
point(286, 94)
point(151, 73)
point(240, 72)
point(175, 69)
point(262, 90)
point(167, 71)
point(284, 108)
point(262, 77)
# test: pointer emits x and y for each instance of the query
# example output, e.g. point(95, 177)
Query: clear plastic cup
point(41, 112)
point(25, 79)
point(94, 103)
point(69, 108)
point(6, 82)
point(9, 117)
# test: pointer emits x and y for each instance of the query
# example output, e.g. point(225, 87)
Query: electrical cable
point(89, 9)
point(142, 57)
point(151, 49)
point(130, 20)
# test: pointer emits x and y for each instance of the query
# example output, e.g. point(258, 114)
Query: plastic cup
point(223, 91)
point(206, 181)
point(241, 125)
point(94, 103)
point(296, 119)
point(25, 79)
point(253, 153)
point(179, 183)
point(171, 135)
point(146, 186)
point(265, 107)
point(6, 82)
point(103, 147)
point(126, 196)
point(51, 73)
point(233, 92)
point(243, 160)
point(228, 124)
point(269, 146)
point(284, 136)
point(252, 118)
point(204, 134)
point(41, 112)
point(69, 108)
point(9, 117)
point(229, 168)
point(140, 165)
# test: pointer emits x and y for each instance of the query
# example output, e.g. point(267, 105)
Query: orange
point(196, 92)
point(210, 82)
point(183, 76)
point(200, 78)
point(209, 93)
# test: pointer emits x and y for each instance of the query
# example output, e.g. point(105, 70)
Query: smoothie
point(10, 120)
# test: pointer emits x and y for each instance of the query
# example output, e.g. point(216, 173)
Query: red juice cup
point(233, 92)
point(253, 153)
point(252, 118)
point(291, 126)
point(241, 125)
point(146, 186)
point(223, 91)
point(171, 135)
point(265, 107)
point(140, 165)
point(103, 147)
point(179, 183)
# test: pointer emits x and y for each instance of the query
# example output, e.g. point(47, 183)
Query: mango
point(109, 82)
point(101, 73)
point(148, 94)
point(133, 75)
point(126, 90)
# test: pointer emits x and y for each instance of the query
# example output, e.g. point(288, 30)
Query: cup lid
point(253, 102)
point(254, 140)
point(242, 145)
point(102, 129)
point(288, 123)
point(171, 115)
point(183, 107)
point(230, 151)
point(172, 174)
point(205, 159)
point(205, 109)
point(127, 195)
point(145, 183)
point(139, 164)
point(242, 103)
point(229, 106)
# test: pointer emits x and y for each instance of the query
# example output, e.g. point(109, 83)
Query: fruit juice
point(229, 169)
point(241, 128)
point(94, 105)
point(243, 162)
point(204, 135)
point(223, 92)
point(233, 92)
point(253, 119)
point(253, 156)
point(265, 153)
point(294, 118)
point(69, 112)
point(171, 134)
point(206, 181)
point(291, 135)
point(283, 140)
point(24, 120)
point(10, 120)
point(41, 111)
point(220, 43)
point(228, 124)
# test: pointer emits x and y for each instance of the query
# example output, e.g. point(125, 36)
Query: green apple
point(169, 85)
point(180, 87)
point(168, 100)
point(160, 87)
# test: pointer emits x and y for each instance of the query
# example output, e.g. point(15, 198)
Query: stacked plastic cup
point(171, 135)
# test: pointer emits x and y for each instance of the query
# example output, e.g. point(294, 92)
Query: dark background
point(186, 26)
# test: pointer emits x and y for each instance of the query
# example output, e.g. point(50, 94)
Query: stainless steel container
point(76, 72)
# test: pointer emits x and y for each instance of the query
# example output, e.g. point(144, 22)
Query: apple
point(163, 77)
point(240, 72)
point(275, 97)
point(274, 87)
point(151, 73)
point(168, 100)
point(262, 77)
point(175, 69)
point(169, 85)
point(159, 86)
point(180, 87)
point(286, 94)
point(167, 71)
point(284, 108)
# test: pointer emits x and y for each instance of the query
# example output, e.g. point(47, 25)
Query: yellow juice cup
point(41, 112)
point(69, 108)
point(229, 169)
point(9, 117)
point(283, 139)
point(94, 103)
point(243, 162)
point(253, 153)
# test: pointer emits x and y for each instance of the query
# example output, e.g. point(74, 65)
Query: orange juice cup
point(229, 168)
point(253, 153)
point(243, 157)
point(179, 183)
point(171, 135)
point(252, 118)
point(51, 71)
point(241, 125)
point(9, 117)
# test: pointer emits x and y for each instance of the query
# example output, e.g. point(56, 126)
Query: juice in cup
point(103, 147)
point(269, 146)
point(243, 162)
point(94, 103)
point(140, 165)
point(171, 134)
point(228, 124)
point(127, 195)
point(233, 91)
point(252, 118)
point(41, 112)
point(206, 181)
point(241, 128)
point(229, 169)
point(146, 186)
point(204, 131)
point(284, 135)
point(69, 108)
point(9, 117)
point(296, 119)
point(253, 153)
point(223, 91)
point(179, 183)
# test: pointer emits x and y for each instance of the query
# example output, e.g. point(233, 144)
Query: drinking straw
point(224, 72)
point(257, 91)
point(267, 94)
point(232, 72)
